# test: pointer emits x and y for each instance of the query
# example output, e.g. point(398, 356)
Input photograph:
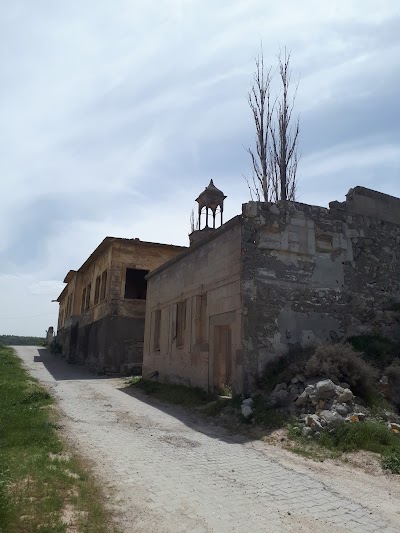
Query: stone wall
point(311, 274)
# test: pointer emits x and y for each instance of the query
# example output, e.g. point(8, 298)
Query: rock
point(361, 409)
point(247, 411)
point(394, 426)
point(295, 390)
point(310, 389)
point(300, 378)
point(321, 404)
point(313, 422)
point(391, 417)
point(306, 431)
point(302, 399)
point(360, 416)
point(341, 409)
point(248, 401)
point(279, 387)
point(294, 380)
point(332, 418)
point(325, 389)
point(278, 397)
point(345, 385)
point(345, 396)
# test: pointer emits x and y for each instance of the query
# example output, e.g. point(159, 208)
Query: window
point(83, 303)
point(103, 285)
point(180, 323)
point(88, 291)
point(97, 290)
point(157, 330)
point(200, 319)
point(135, 284)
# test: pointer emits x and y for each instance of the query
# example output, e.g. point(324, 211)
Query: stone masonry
point(312, 275)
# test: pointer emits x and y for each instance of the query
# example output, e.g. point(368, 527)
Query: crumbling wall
point(312, 275)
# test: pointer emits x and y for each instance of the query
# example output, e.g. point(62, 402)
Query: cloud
point(116, 115)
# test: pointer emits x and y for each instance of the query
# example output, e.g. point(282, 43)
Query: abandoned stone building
point(273, 278)
point(102, 307)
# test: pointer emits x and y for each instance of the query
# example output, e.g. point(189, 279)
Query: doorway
point(222, 360)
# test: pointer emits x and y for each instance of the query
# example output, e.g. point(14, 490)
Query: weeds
point(372, 436)
point(172, 393)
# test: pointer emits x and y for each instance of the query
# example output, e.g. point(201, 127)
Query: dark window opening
point(88, 291)
point(83, 303)
point(135, 284)
point(180, 323)
point(201, 318)
point(97, 290)
point(157, 329)
point(103, 285)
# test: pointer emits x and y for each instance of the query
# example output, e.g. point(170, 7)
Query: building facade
point(277, 277)
point(102, 306)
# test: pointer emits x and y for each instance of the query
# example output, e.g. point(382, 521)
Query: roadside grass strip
point(43, 487)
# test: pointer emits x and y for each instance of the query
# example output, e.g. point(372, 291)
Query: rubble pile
point(319, 404)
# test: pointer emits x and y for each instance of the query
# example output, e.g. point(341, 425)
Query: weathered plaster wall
point(109, 335)
point(138, 255)
point(317, 275)
point(210, 269)
point(111, 344)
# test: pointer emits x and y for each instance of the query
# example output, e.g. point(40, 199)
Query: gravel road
point(166, 470)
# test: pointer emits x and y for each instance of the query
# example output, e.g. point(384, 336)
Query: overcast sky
point(115, 115)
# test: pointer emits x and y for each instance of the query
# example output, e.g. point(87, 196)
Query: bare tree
point(194, 222)
point(259, 99)
point(285, 134)
point(276, 157)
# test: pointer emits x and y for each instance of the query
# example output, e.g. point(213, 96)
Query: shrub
point(391, 461)
point(371, 436)
point(376, 350)
point(393, 375)
point(340, 363)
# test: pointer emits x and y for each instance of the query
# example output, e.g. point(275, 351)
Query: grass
point(372, 436)
point(175, 394)
point(41, 483)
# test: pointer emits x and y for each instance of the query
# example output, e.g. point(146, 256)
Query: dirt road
point(166, 470)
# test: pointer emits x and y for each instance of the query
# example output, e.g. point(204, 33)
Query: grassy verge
point(371, 436)
point(43, 487)
point(175, 394)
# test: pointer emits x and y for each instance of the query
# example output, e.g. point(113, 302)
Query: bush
point(391, 461)
point(370, 435)
point(376, 350)
point(340, 363)
point(393, 375)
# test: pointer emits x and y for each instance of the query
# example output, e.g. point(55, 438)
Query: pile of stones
point(319, 404)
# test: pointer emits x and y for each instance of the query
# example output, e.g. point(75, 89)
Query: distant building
point(276, 277)
point(102, 307)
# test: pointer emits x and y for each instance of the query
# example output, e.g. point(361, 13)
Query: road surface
point(166, 470)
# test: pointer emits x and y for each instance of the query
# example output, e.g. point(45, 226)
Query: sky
point(114, 116)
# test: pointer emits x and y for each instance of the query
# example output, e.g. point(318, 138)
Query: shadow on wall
point(61, 370)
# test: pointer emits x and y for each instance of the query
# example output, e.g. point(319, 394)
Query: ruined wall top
point(367, 202)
